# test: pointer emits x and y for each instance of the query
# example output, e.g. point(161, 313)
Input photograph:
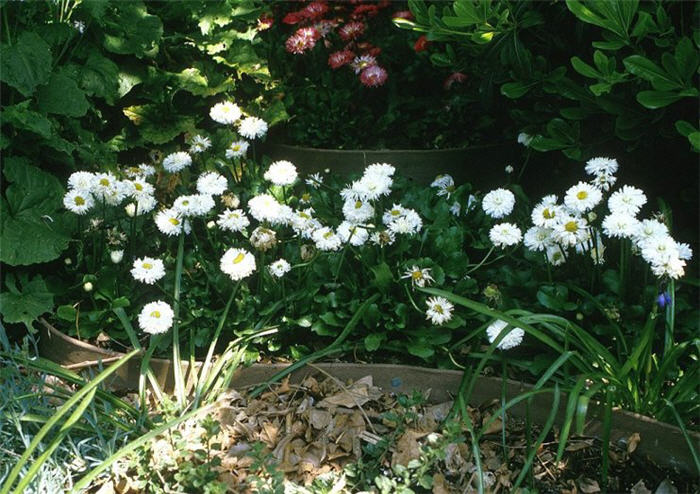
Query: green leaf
point(584, 69)
point(514, 90)
point(420, 348)
point(657, 99)
point(649, 71)
point(382, 276)
point(22, 118)
point(156, 124)
point(26, 302)
point(132, 30)
point(371, 317)
point(31, 227)
point(100, 77)
point(26, 64)
point(62, 96)
point(373, 341)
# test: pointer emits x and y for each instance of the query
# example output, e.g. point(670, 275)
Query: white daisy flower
point(509, 169)
point(546, 215)
point(439, 310)
point(115, 193)
point(199, 144)
point(445, 185)
point(279, 268)
point(672, 267)
point(658, 250)
point(303, 222)
point(397, 211)
point(144, 204)
point(380, 169)
point(456, 208)
point(148, 270)
point(419, 277)
point(238, 263)
point(582, 197)
point(538, 238)
point(78, 201)
point(105, 185)
point(383, 238)
point(314, 180)
point(194, 205)
point(233, 220)
point(225, 113)
point(237, 149)
point(685, 253)
point(354, 234)
point(156, 317)
point(281, 173)
point(627, 200)
point(598, 166)
point(525, 139)
point(620, 225)
point(176, 162)
point(252, 128)
point(648, 229)
point(498, 203)
point(82, 181)
point(138, 188)
point(512, 339)
point(555, 256)
point(146, 170)
point(408, 224)
point(357, 211)
point(505, 234)
point(372, 187)
point(326, 239)
point(570, 230)
point(264, 207)
point(211, 183)
point(263, 238)
point(604, 181)
point(169, 221)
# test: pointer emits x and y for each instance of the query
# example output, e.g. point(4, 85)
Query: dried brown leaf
point(633, 442)
point(640, 488)
point(407, 448)
point(588, 486)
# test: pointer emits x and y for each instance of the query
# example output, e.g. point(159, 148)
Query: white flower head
point(138, 187)
point(685, 253)
point(211, 183)
point(627, 200)
point(444, 184)
point(546, 215)
point(407, 224)
point(146, 170)
point(357, 211)
point(156, 317)
point(238, 263)
point(225, 113)
point(326, 239)
point(383, 238)
point(456, 208)
point(582, 197)
point(659, 250)
point(281, 173)
point(264, 207)
point(352, 233)
point(169, 221)
point(525, 139)
point(648, 229)
point(176, 162)
point(199, 144)
point(82, 181)
point(512, 339)
point(419, 277)
point(620, 225)
point(380, 169)
point(263, 238)
point(672, 267)
point(604, 181)
point(116, 256)
point(237, 149)
point(439, 310)
point(233, 220)
point(505, 234)
point(538, 238)
point(78, 201)
point(279, 268)
point(314, 180)
point(252, 127)
point(600, 165)
point(303, 222)
point(397, 211)
point(555, 255)
point(372, 186)
point(571, 230)
point(498, 203)
point(194, 205)
point(148, 270)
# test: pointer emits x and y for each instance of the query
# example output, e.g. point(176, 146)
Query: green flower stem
point(177, 364)
point(477, 266)
point(670, 317)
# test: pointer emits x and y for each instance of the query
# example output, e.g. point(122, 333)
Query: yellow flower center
point(79, 201)
point(395, 212)
point(450, 188)
point(185, 203)
point(138, 186)
point(438, 309)
point(358, 204)
point(174, 221)
point(155, 314)
point(571, 226)
point(239, 258)
point(104, 182)
point(548, 214)
point(147, 265)
point(306, 197)
point(236, 147)
point(304, 215)
point(416, 275)
point(582, 194)
point(328, 235)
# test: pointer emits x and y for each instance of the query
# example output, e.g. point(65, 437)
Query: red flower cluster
point(318, 20)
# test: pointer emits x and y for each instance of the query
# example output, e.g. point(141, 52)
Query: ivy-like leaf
point(26, 64)
point(62, 96)
point(22, 118)
point(26, 302)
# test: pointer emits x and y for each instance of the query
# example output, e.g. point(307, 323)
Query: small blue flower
point(663, 299)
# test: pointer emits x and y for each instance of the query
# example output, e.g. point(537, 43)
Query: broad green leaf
point(22, 118)
point(687, 58)
point(26, 301)
point(32, 228)
point(156, 124)
point(26, 64)
point(382, 276)
point(584, 69)
point(467, 12)
point(657, 99)
point(100, 77)
point(420, 348)
point(649, 71)
point(514, 90)
point(132, 30)
point(373, 341)
point(62, 96)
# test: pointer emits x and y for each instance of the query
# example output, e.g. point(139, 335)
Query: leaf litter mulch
point(327, 436)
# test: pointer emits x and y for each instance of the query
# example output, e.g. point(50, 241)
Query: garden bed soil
point(483, 166)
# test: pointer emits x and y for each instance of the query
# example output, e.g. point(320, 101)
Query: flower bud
point(68, 261)
point(130, 209)
point(116, 256)
point(88, 287)
point(211, 225)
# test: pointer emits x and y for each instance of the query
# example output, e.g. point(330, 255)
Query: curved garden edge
point(480, 165)
point(663, 443)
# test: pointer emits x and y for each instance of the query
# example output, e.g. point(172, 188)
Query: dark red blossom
point(373, 76)
point(293, 18)
point(314, 10)
point(304, 39)
point(265, 21)
point(364, 10)
point(352, 30)
point(454, 78)
point(403, 14)
point(340, 58)
point(421, 44)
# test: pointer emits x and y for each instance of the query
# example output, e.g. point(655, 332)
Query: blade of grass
point(569, 417)
point(681, 425)
point(607, 427)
